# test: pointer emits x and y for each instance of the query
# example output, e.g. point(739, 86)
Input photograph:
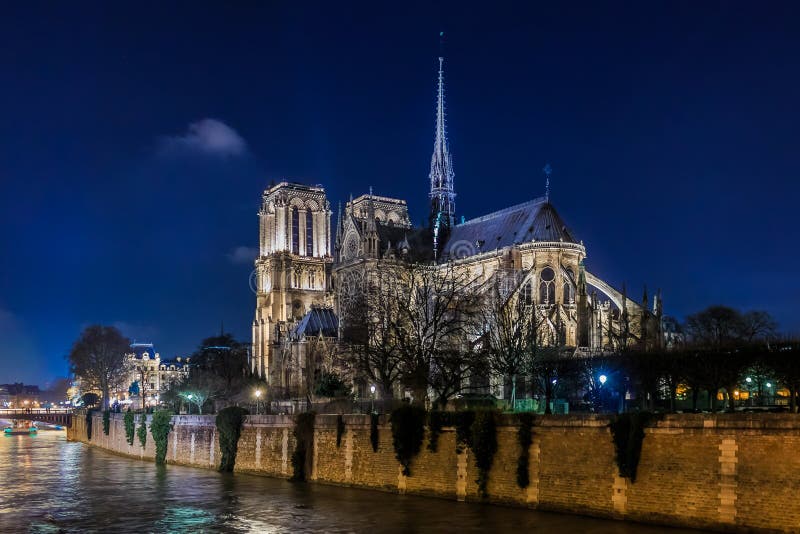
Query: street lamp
point(372, 403)
point(258, 398)
point(602, 379)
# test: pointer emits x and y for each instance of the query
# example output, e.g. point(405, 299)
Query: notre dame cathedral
point(304, 279)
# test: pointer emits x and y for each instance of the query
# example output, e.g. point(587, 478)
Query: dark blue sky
point(672, 130)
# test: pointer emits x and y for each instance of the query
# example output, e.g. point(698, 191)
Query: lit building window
point(309, 234)
point(295, 231)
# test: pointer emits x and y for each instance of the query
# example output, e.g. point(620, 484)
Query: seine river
point(52, 485)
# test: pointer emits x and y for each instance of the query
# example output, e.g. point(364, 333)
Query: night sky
point(136, 139)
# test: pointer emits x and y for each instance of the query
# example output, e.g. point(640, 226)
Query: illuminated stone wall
point(726, 472)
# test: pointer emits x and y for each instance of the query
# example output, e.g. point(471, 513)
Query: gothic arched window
point(295, 231)
point(547, 286)
point(309, 234)
point(527, 294)
point(569, 293)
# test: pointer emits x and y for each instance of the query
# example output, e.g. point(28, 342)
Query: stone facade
point(722, 472)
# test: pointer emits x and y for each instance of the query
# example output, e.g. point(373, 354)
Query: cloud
point(207, 136)
point(241, 255)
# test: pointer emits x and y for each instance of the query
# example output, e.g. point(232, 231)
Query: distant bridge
point(54, 416)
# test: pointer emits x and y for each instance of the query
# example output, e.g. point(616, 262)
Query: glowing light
point(769, 384)
point(602, 379)
point(258, 393)
point(372, 389)
point(748, 379)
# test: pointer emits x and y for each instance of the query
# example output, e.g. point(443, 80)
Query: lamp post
point(602, 379)
point(190, 397)
point(258, 398)
point(372, 404)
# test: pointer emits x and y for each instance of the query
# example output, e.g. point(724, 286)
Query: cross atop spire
point(442, 194)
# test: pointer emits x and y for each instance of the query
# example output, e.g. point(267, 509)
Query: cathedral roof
point(317, 321)
point(535, 220)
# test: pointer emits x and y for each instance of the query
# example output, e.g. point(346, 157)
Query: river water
point(52, 485)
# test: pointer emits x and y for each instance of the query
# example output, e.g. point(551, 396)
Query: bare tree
point(715, 327)
point(428, 309)
point(509, 330)
point(377, 355)
point(756, 325)
point(98, 359)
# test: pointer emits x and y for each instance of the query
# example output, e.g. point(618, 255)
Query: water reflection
point(51, 485)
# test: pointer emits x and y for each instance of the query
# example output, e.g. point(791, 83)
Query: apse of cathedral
point(306, 283)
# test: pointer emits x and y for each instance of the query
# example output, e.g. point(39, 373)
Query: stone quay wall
point(727, 472)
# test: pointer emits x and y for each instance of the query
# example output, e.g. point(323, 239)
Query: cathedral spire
point(442, 194)
point(548, 170)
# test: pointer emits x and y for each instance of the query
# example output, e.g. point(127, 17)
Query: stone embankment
point(723, 472)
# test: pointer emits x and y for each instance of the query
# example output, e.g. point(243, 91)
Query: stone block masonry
point(726, 472)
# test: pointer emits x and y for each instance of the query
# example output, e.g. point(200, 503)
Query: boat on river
point(20, 431)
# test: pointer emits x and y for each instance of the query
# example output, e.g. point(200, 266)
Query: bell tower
point(293, 265)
